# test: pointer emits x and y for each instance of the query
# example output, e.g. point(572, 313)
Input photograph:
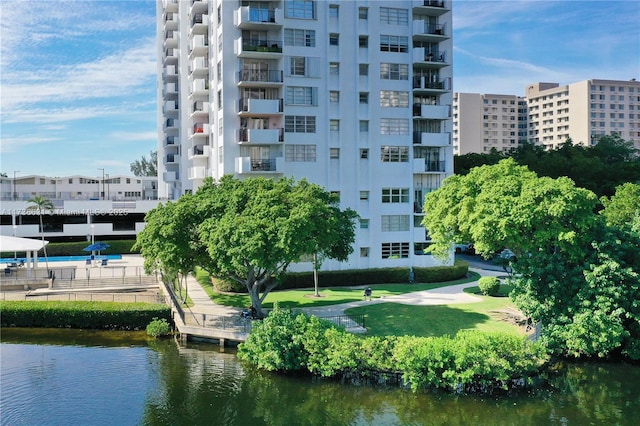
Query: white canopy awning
point(12, 244)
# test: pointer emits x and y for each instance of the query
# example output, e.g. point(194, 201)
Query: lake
point(75, 377)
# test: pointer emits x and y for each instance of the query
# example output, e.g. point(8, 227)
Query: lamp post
point(108, 186)
point(102, 182)
point(15, 192)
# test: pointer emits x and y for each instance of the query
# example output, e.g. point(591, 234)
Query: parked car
point(508, 255)
point(465, 248)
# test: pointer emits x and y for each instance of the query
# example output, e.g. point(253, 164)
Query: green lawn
point(438, 320)
point(304, 298)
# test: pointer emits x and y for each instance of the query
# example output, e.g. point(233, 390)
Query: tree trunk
point(315, 274)
point(44, 247)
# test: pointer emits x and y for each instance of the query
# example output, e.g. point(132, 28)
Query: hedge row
point(76, 248)
point(353, 277)
point(85, 315)
point(472, 361)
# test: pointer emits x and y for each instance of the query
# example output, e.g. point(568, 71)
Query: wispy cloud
point(134, 136)
point(13, 144)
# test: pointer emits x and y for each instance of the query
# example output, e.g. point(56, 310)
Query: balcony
point(172, 159)
point(429, 58)
point(199, 45)
point(199, 67)
point(425, 31)
point(170, 176)
point(200, 109)
point(260, 136)
point(169, 73)
point(198, 172)
point(431, 7)
point(199, 151)
point(199, 24)
point(255, 18)
point(263, 49)
point(200, 130)
point(432, 139)
point(422, 165)
point(260, 107)
point(199, 87)
point(170, 90)
point(170, 123)
point(170, 56)
point(171, 38)
point(170, 107)
point(170, 5)
point(170, 21)
point(434, 112)
point(248, 76)
point(430, 84)
point(170, 141)
point(254, 165)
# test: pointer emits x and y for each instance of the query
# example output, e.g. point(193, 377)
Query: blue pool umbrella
point(96, 246)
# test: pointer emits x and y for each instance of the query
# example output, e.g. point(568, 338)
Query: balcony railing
point(260, 135)
point(433, 3)
point(261, 106)
point(262, 45)
point(434, 56)
point(262, 15)
point(263, 165)
point(265, 76)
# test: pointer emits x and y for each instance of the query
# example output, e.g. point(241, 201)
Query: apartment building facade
point(482, 122)
point(354, 96)
point(548, 115)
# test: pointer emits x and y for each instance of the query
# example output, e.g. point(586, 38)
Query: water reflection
point(68, 377)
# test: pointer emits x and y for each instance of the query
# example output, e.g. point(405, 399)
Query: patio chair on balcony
point(104, 262)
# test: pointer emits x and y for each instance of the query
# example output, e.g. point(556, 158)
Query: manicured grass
point(304, 298)
point(438, 320)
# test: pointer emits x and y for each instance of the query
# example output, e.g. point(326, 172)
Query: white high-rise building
point(352, 95)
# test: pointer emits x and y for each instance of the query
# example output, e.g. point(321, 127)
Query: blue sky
point(78, 78)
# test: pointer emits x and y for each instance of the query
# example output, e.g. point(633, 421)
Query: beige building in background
point(484, 121)
point(547, 115)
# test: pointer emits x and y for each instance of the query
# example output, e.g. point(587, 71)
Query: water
point(72, 377)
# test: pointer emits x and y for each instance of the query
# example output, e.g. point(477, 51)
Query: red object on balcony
point(199, 130)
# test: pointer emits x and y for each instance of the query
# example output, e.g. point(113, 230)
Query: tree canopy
point(601, 168)
point(576, 276)
point(248, 231)
point(144, 167)
point(623, 208)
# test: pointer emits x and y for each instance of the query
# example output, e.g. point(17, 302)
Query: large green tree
point(623, 208)
point(248, 231)
point(573, 274)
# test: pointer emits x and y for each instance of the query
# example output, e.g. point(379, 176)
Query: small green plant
point(489, 286)
point(158, 327)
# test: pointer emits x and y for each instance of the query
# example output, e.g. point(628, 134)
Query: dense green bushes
point(88, 315)
point(489, 286)
point(353, 277)
point(158, 327)
point(470, 362)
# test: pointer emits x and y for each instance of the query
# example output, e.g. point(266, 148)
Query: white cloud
point(134, 136)
point(18, 143)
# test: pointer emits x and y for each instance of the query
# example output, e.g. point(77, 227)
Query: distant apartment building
point(548, 115)
point(352, 95)
point(85, 207)
point(485, 122)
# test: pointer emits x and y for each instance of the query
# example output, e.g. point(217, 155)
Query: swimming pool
point(65, 258)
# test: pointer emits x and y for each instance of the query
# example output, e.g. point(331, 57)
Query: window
point(300, 124)
point(364, 153)
point(301, 9)
point(364, 195)
point(395, 195)
point(298, 65)
point(299, 95)
point(390, 43)
point(298, 37)
point(334, 125)
point(393, 98)
point(334, 68)
point(364, 98)
point(334, 39)
point(334, 96)
point(364, 126)
point(363, 69)
point(395, 222)
point(363, 41)
point(300, 153)
point(334, 153)
point(394, 126)
point(333, 11)
point(392, 15)
point(394, 154)
point(363, 13)
point(395, 250)
point(364, 251)
point(394, 71)
point(364, 223)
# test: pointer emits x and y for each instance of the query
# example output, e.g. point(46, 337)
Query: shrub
point(158, 327)
point(489, 286)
